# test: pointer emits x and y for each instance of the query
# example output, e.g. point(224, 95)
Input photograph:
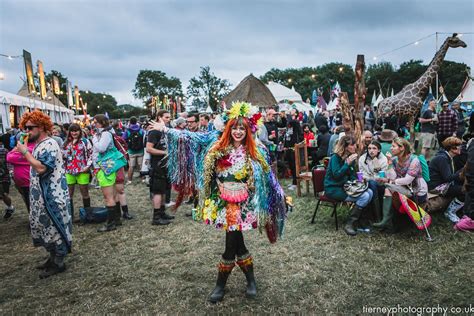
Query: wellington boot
point(118, 214)
point(110, 224)
point(356, 211)
point(217, 294)
point(158, 219)
point(246, 265)
point(387, 221)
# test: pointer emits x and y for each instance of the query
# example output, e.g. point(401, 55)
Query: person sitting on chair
point(444, 177)
point(404, 169)
point(340, 170)
point(372, 163)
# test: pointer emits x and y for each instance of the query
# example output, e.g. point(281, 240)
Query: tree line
point(208, 89)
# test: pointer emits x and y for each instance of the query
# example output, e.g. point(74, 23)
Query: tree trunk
point(360, 93)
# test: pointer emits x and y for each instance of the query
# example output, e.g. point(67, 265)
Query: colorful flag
point(42, 82)
point(29, 72)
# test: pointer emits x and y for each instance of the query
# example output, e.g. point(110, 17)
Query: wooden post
point(360, 93)
point(347, 120)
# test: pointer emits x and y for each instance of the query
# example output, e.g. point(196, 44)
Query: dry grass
point(147, 269)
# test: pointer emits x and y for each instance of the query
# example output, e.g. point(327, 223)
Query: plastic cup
point(381, 174)
point(360, 176)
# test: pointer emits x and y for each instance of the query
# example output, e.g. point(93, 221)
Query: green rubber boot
point(386, 221)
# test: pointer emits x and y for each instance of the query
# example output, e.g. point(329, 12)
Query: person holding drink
point(341, 169)
point(404, 169)
point(373, 164)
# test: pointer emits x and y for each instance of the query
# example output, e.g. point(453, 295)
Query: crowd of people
point(226, 167)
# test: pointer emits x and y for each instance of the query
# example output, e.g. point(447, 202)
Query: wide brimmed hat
point(387, 135)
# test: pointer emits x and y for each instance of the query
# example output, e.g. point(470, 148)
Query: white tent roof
point(14, 99)
point(467, 92)
point(281, 93)
point(379, 99)
point(300, 106)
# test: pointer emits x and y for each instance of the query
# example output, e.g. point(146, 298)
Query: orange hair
point(226, 138)
point(38, 118)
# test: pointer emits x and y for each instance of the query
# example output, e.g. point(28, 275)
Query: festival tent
point(379, 99)
point(12, 107)
point(300, 106)
point(467, 92)
point(251, 90)
point(282, 93)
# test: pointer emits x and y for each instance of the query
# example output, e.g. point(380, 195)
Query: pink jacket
point(21, 167)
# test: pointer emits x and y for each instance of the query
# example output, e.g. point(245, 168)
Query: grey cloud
point(102, 45)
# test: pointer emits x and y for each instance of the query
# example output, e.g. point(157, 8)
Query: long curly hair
point(226, 139)
point(38, 118)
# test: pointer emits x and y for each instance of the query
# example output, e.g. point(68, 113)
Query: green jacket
point(338, 173)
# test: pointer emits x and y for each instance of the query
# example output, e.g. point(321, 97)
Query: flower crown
point(244, 109)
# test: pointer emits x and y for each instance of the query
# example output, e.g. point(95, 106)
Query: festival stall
point(12, 107)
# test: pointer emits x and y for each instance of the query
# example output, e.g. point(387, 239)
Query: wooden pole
point(360, 93)
point(347, 120)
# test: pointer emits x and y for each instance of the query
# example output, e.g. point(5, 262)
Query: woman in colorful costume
point(238, 190)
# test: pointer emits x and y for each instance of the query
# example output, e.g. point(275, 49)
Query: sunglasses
point(30, 127)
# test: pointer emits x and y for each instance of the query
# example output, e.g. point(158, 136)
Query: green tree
point(62, 84)
point(451, 76)
point(382, 74)
point(98, 103)
point(208, 88)
point(152, 83)
point(307, 79)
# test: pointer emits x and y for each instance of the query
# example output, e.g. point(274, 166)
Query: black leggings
point(234, 245)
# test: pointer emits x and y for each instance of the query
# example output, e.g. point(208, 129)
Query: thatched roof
point(253, 91)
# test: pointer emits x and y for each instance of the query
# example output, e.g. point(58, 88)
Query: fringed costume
point(237, 189)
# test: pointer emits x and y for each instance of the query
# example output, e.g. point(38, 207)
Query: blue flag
point(314, 97)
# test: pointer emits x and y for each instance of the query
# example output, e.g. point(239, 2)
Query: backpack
point(135, 140)
point(121, 145)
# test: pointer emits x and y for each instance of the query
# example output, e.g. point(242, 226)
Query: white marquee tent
point(282, 93)
point(12, 106)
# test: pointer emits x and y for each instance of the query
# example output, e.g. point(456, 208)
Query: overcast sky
point(102, 45)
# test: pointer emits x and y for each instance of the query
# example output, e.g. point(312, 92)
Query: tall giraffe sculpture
point(408, 102)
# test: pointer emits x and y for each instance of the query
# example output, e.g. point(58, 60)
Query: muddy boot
point(157, 218)
point(387, 220)
point(355, 214)
point(110, 224)
point(57, 266)
point(225, 268)
point(246, 265)
point(48, 262)
point(165, 215)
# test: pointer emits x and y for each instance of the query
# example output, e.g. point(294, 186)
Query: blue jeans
point(362, 200)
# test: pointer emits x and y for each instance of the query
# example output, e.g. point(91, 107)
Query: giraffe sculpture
point(408, 102)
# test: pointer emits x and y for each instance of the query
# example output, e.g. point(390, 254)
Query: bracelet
point(24, 152)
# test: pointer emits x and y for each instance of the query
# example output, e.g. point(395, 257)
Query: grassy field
point(315, 269)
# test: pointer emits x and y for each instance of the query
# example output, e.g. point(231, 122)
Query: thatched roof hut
point(253, 91)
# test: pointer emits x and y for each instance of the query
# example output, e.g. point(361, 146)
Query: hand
point(389, 158)
point(382, 180)
point(20, 148)
point(159, 126)
point(351, 158)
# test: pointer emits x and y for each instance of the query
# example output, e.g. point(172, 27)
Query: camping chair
point(318, 186)
point(302, 170)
